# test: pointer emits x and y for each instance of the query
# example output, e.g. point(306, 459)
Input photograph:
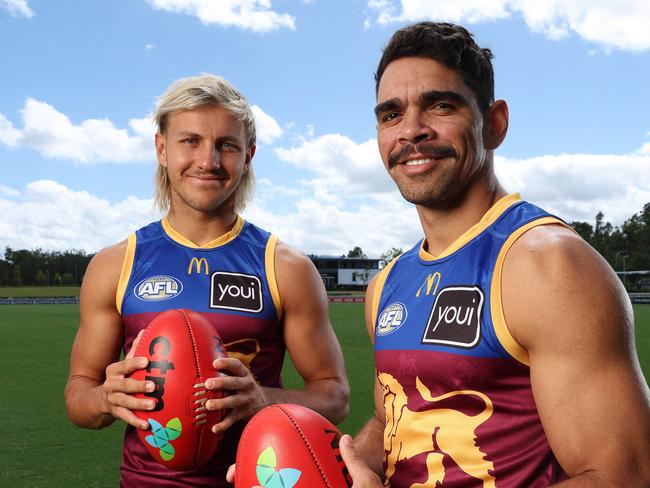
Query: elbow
point(341, 407)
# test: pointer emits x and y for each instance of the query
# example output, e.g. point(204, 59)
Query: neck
point(446, 222)
point(201, 227)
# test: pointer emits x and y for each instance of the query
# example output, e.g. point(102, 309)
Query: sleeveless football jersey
point(459, 407)
point(231, 281)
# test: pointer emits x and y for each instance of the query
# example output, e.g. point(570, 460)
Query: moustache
point(424, 150)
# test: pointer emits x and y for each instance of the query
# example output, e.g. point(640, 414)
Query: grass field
point(40, 448)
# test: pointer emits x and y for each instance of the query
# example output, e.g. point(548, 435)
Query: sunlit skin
point(436, 143)
point(205, 152)
point(429, 129)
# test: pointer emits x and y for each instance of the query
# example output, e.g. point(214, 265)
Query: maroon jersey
point(230, 281)
point(459, 407)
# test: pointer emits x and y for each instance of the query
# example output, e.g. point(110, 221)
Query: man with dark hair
point(504, 344)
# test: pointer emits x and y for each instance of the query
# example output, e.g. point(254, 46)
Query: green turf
point(40, 448)
point(39, 291)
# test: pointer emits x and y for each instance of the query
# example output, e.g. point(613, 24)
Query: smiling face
point(429, 130)
point(205, 154)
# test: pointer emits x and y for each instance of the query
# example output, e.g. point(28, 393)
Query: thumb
point(362, 475)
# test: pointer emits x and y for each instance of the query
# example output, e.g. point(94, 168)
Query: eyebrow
point(425, 98)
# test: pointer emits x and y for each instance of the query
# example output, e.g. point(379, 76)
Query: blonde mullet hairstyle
point(193, 92)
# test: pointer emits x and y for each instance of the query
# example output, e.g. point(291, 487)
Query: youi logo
point(391, 319)
point(268, 474)
point(158, 288)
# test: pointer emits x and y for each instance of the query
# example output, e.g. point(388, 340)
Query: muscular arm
point(311, 344)
point(567, 308)
point(94, 368)
point(310, 339)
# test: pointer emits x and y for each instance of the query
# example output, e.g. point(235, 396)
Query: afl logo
point(158, 288)
point(391, 319)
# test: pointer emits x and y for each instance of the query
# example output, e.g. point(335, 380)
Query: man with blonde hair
point(202, 248)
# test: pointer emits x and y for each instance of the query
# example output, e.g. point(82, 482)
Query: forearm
point(329, 397)
point(86, 404)
point(370, 445)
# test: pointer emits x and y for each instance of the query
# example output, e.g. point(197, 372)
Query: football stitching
point(304, 438)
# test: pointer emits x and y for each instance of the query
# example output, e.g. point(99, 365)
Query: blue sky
point(80, 79)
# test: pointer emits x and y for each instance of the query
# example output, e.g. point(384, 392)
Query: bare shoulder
point(551, 276)
point(298, 280)
point(104, 270)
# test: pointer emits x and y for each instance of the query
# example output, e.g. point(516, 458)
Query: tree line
point(43, 268)
point(626, 248)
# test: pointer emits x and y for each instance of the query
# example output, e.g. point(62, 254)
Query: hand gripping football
point(181, 346)
point(290, 446)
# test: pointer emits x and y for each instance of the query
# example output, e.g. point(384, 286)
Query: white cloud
point(51, 216)
point(53, 135)
point(149, 46)
point(342, 166)
point(17, 8)
point(255, 15)
point(619, 24)
point(577, 186)
point(267, 128)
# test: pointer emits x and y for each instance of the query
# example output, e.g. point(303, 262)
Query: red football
point(290, 446)
point(181, 346)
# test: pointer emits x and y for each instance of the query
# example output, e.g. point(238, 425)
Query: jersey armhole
point(378, 288)
point(269, 266)
point(501, 330)
point(125, 274)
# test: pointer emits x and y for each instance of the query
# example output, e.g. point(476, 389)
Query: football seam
point(304, 438)
point(198, 371)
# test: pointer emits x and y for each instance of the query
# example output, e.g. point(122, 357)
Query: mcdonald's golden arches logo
point(430, 284)
point(199, 264)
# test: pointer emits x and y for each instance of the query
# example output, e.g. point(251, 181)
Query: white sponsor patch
point(158, 288)
point(391, 318)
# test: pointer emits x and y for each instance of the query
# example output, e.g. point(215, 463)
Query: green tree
point(57, 280)
point(16, 276)
point(389, 255)
point(67, 278)
point(357, 252)
point(39, 278)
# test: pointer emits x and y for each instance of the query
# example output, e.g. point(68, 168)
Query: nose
point(414, 128)
point(209, 158)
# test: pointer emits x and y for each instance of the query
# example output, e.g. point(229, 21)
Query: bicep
point(100, 334)
point(567, 308)
point(308, 333)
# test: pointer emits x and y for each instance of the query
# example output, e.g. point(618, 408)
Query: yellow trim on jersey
point(379, 287)
point(269, 265)
point(125, 274)
point(496, 302)
point(219, 241)
point(488, 219)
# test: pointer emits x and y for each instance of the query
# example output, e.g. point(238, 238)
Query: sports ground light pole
point(625, 256)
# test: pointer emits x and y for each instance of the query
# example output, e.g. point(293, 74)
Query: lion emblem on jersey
point(452, 433)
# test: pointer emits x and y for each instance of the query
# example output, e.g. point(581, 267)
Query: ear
point(161, 155)
point(496, 124)
point(249, 156)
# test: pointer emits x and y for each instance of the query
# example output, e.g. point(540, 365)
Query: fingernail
point(142, 362)
point(150, 386)
point(150, 405)
point(144, 425)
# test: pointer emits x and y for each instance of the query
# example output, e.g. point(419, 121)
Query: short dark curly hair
point(451, 45)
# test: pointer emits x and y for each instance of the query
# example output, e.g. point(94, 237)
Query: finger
point(130, 418)
point(361, 474)
point(126, 366)
point(232, 365)
point(134, 345)
point(230, 475)
point(233, 383)
point(230, 402)
point(224, 425)
point(128, 385)
point(122, 400)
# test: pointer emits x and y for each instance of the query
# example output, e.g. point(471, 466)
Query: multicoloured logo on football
point(161, 436)
point(269, 476)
